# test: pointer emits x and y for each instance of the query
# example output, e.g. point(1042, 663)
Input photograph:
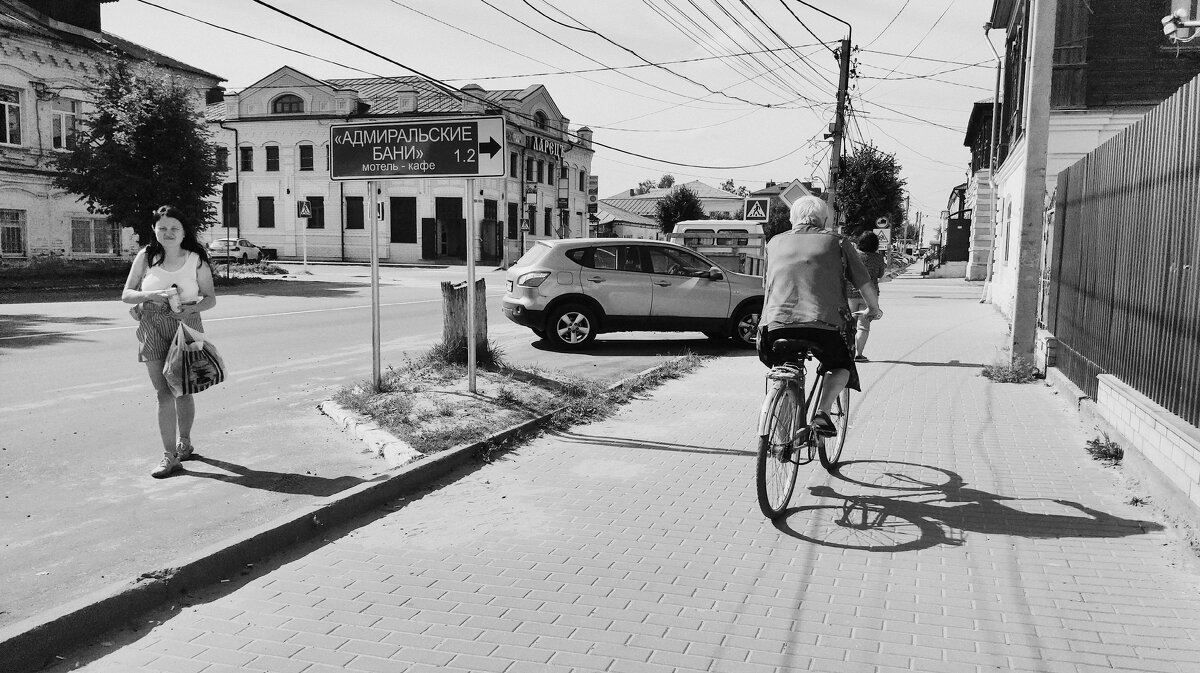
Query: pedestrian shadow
point(279, 482)
point(931, 506)
point(910, 363)
point(281, 287)
point(631, 443)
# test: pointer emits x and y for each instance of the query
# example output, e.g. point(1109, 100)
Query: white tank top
point(158, 278)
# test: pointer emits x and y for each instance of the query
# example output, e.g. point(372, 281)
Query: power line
point(515, 113)
point(889, 23)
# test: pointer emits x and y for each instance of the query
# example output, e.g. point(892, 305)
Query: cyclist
point(806, 299)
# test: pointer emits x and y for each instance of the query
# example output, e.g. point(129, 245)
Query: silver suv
point(568, 291)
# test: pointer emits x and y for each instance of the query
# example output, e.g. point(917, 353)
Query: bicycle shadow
point(929, 512)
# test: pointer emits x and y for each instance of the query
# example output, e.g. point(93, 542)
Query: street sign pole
point(375, 376)
point(470, 207)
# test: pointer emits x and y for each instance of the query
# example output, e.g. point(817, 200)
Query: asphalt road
point(78, 438)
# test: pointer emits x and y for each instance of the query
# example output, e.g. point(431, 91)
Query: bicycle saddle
point(791, 348)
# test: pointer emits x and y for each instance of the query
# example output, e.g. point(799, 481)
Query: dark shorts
point(156, 330)
point(835, 348)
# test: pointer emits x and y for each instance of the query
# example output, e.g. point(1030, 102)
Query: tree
point(681, 204)
point(778, 221)
point(645, 186)
point(870, 187)
point(143, 146)
point(666, 181)
point(740, 190)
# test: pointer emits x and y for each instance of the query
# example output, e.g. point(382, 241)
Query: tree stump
point(454, 319)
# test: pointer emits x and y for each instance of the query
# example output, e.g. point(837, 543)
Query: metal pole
point(375, 377)
point(470, 212)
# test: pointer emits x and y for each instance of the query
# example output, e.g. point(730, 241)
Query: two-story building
point(1111, 65)
point(275, 136)
point(50, 52)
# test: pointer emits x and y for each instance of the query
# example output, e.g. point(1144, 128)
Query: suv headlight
point(533, 278)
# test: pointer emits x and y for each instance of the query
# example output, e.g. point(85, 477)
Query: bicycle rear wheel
point(829, 449)
point(776, 474)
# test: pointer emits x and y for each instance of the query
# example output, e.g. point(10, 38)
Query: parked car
point(568, 291)
point(237, 249)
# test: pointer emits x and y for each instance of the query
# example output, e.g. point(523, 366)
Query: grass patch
point(1019, 370)
point(1105, 450)
point(427, 403)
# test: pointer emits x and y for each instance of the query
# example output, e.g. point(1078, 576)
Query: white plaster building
point(49, 52)
point(275, 134)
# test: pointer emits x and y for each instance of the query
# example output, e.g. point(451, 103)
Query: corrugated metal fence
point(1124, 293)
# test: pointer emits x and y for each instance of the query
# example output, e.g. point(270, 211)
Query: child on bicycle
point(806, 299)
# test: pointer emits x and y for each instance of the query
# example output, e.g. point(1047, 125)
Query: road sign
point(526, 226)
point(458, 147)
point(303, 209)
point(757, 209)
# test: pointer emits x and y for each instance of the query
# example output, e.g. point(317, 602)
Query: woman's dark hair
point(869, 242)
point(154, 250)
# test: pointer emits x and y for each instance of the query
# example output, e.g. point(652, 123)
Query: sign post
point(304, 212)
point(458, 147)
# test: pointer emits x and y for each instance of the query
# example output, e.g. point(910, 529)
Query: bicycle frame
point(789, 374)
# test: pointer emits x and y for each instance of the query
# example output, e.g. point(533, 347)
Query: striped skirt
point(156, 330)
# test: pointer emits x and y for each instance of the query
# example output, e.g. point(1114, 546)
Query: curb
point(33, 643)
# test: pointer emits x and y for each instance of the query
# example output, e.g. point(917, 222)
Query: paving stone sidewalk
point(968, 532)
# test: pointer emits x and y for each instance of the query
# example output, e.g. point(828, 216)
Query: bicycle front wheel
point(829, 449)
point(776, 474)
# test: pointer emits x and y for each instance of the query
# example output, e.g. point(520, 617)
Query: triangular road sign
point(756, 211)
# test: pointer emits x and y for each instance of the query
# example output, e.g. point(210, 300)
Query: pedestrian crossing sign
point(757, 209)
point(303, 209)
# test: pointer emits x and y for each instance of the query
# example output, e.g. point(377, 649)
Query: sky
point(660, 82)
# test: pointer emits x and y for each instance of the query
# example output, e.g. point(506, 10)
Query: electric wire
point(889, 24)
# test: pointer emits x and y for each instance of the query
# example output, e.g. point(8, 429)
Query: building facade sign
point(547, 145)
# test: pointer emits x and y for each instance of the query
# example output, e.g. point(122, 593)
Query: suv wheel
point(571, 327)
point(745, 326)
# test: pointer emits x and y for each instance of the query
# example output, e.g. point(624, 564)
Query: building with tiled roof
point(50, 51)
point(716, 202)
point(277, 131)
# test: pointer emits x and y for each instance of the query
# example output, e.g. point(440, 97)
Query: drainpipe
point(342, 209)
point(237, 182)
point(522, 210)
point(993, 142)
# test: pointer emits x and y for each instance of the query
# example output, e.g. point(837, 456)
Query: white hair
point(810, 210)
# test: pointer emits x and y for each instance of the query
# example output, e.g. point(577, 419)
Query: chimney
point(633, 192)
point(83, 14)
point(585, 137)
point(769, 185)
point(472, 101)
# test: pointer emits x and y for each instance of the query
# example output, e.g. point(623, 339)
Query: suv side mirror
point(715, 273)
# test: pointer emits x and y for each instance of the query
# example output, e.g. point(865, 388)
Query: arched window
point(287, 103)
point(539, 118)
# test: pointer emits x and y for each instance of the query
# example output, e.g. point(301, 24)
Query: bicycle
point(784, 444)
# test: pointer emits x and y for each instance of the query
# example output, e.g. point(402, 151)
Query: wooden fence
point(1124, 298)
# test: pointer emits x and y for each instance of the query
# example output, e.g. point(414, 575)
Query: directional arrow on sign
point(491, 147)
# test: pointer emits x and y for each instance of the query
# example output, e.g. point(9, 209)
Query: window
point(223, 158)
point(354, 213)
point(94, 236)
point(317, 203)
point(513, 165)
point(609, 257)
point(529, 169)
point(562, 172)
point(287, 103)
point(272, 157)
point(546, 222)
point(676, 262)
point(10, 117)
point(732, 237)
point(404, 219)
point(550, 173)
point(582, 181)
point(246, 158)
point(64, 113)
point(514, 214)
point(306, 157)
point(541, 171)
point(12, 232)
point(539, 118)
point(266, 212)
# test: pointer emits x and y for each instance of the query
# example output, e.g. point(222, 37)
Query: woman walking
point(172, 269)
point(868, 252)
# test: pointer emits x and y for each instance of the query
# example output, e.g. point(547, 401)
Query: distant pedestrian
point(172, 269)
point(868, 252)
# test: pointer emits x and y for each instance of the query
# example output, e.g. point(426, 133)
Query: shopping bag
point(193, 363)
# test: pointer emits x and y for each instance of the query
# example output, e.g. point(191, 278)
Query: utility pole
point(839, 124)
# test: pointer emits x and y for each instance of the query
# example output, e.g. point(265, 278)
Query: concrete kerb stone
point(31, 644)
